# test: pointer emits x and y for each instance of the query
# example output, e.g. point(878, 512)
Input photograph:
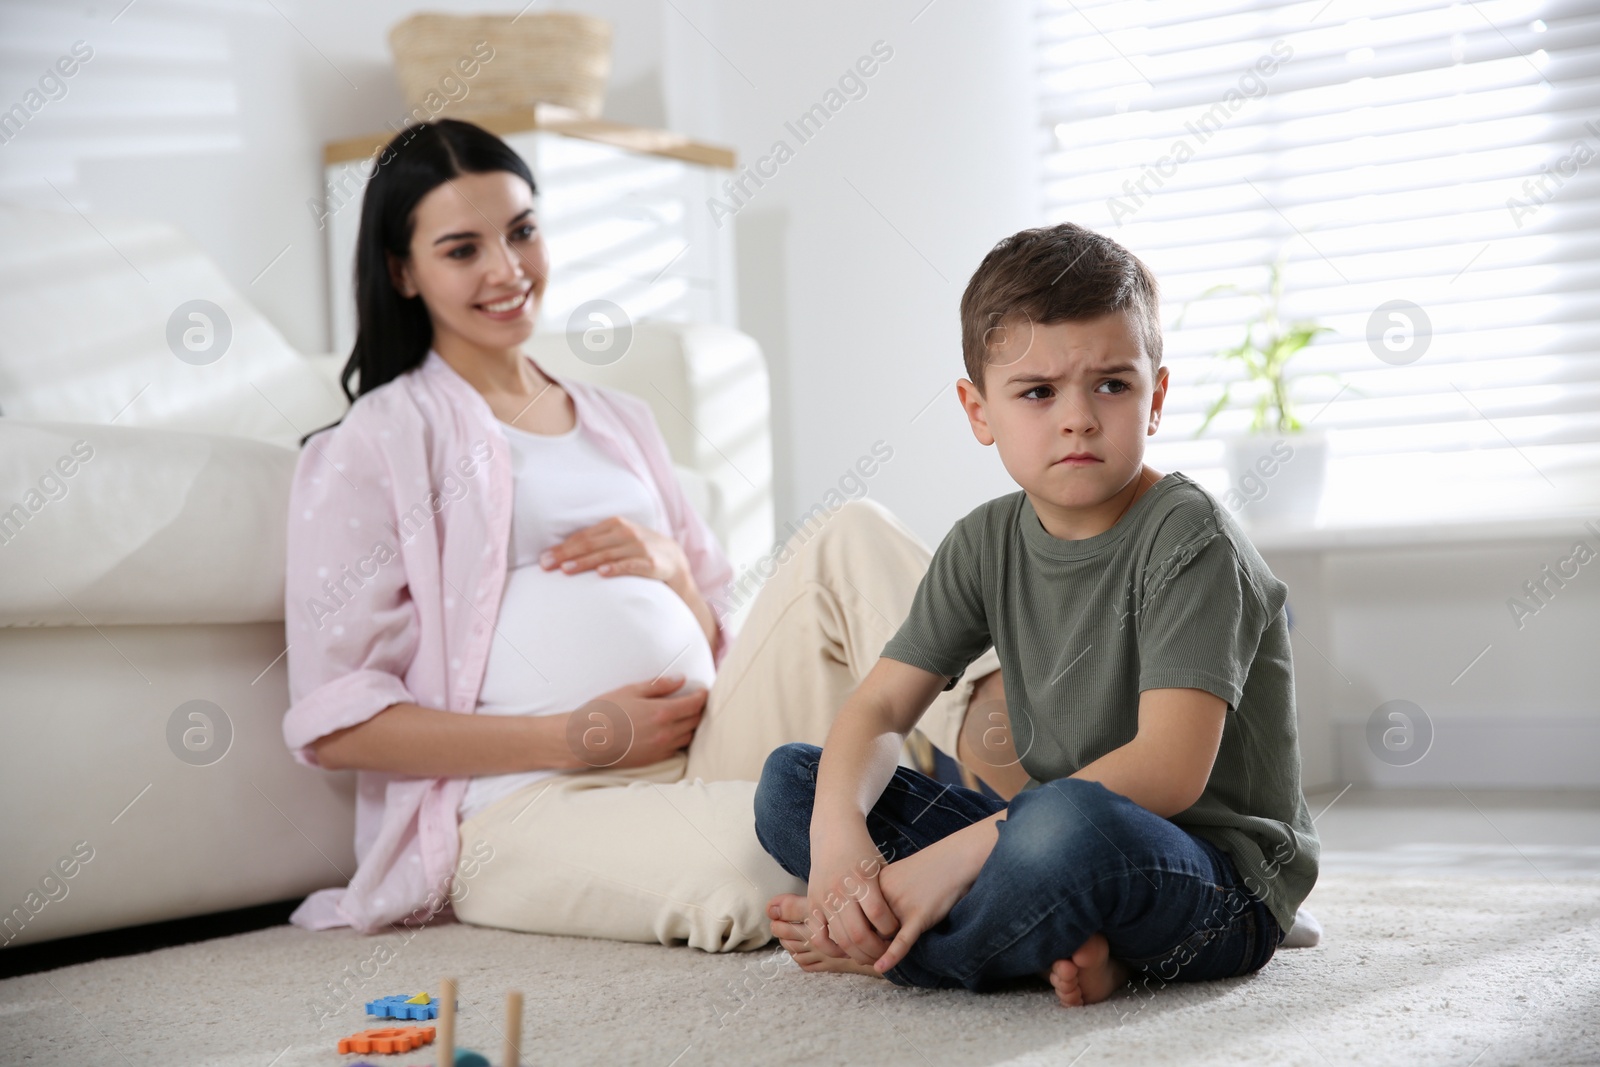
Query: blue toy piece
point(465, 1057)
point(397, 1007)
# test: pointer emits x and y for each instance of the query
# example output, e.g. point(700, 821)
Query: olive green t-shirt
point(1172, 596)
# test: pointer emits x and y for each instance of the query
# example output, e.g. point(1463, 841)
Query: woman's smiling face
point(478, 261)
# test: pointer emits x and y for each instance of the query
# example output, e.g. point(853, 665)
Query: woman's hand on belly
point(617, 546)
point(636, 725)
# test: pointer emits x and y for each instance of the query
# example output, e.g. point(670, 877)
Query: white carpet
point(1460, 971)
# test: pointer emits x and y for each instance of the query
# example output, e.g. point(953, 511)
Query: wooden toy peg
point(445, 1038)
point(512, 1056)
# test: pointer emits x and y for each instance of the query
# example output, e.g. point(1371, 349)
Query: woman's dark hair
point(393, 332)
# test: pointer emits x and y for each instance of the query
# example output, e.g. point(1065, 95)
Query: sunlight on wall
point(1437, 154)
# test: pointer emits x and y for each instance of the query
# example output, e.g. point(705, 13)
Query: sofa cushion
point(96, 311)
point(117, 525)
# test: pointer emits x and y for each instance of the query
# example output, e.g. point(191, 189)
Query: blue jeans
point(1072, 859)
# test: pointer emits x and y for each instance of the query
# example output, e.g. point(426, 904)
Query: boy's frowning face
point(1077, 388)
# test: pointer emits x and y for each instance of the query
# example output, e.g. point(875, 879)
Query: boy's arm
point(1198, 627)
point(849, 916)
point(1165, 767)
point(944, 631)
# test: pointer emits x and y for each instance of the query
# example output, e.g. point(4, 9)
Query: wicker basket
point(553, 57)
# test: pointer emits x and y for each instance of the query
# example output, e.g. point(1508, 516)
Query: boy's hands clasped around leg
point(847, 916)
point(862, 916)
point(859, 915)
point(921, 889)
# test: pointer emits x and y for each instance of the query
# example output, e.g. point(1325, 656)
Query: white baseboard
point(1489, 753)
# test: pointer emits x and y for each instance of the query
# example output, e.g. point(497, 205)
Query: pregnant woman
point(499, 607)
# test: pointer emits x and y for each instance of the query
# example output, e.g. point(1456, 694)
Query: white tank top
point(563, 639)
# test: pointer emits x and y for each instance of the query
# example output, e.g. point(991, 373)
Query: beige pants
point(668, 853)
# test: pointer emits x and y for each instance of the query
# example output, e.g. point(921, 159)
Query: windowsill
point(1402, 500)
point(1319, 538)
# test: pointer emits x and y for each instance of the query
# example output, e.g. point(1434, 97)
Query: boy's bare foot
point(1090, 976)
point(788, 914)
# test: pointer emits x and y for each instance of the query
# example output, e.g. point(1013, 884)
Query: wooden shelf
point(553, 119)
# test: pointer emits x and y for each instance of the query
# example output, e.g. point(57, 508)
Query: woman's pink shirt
point(399, 529)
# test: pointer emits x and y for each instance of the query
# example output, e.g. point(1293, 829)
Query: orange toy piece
point(387, 1039)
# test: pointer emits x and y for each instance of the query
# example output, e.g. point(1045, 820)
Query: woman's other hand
point(636, 725)
point(615, 547)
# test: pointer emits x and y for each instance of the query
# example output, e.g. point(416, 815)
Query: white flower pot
point(1275, 479)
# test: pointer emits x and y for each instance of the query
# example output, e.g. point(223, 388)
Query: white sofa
point(142, 514)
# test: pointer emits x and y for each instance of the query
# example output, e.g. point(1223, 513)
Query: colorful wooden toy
point(399, 1007)
point(387, 1039)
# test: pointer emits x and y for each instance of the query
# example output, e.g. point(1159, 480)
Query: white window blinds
point(1410, 154)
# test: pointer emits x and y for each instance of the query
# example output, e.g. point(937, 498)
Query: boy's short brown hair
point(1055, 274)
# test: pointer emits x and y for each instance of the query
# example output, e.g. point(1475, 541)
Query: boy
point(1145, 658)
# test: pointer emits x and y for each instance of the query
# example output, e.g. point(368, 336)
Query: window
point(1430, 172)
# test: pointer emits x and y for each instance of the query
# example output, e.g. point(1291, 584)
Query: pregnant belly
point(563, 639)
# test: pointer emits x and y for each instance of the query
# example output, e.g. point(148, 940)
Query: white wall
point(1507, 702)
point(853, 258)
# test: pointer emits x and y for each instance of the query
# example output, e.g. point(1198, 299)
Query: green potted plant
point(1277, 467)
